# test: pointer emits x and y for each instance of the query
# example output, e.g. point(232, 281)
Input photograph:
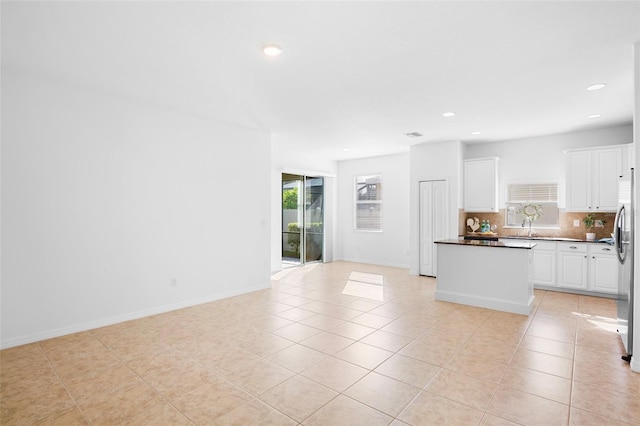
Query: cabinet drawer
point(572, 247)
point(602, 249)
point(544, 246)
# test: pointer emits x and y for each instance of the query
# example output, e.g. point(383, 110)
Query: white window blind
point(368, 203)
point(544, 195)
point(536, 192)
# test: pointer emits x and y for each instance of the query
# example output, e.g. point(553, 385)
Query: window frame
point(510, 203)
point(379, 201)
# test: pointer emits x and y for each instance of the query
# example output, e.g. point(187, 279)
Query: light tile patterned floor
point(306, 352)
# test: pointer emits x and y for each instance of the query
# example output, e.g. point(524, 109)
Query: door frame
point(302, 196)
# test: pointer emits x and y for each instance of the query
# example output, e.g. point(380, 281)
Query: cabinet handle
point(597, 207)
point(585, 257)
point(606, 249)
point(573, 247)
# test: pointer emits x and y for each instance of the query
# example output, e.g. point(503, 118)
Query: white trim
point(50, 334)
point(305, 172)
point(486, 302)
point(481, 159)
point(356, 202)
point(591, 148)
point(635, 364)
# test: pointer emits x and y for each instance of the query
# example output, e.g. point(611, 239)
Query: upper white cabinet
point(578, 181)
point(592, 178)
point(607, 169)
point(481, 185)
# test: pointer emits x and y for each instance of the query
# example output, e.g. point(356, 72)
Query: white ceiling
point(353, 74)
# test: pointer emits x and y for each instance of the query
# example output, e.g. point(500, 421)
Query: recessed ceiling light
point(593, 116)
point(449, 114)
point(272, 50)
point(596, 86)
point(475, 133)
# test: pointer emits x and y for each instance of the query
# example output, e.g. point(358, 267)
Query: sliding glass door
point(313, 218)
point(302, 219)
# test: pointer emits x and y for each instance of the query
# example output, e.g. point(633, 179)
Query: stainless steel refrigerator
point(623, 238)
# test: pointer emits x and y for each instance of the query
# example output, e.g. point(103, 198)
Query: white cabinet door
point(607, 168)
point(592, 178)
point(603, 269)
point(572, 266)
point(433, 223)
point(481, 185)
point(628, 158)
point(579, 181)
point(544, 264)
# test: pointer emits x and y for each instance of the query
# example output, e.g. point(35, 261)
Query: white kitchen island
point(488, 274)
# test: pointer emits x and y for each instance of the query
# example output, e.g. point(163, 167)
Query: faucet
point(525, 220)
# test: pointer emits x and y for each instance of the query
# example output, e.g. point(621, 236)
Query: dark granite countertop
point(535, 238)
point(485, 243)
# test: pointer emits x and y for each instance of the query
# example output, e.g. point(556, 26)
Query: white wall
point(106, 199)
point(434, 161)
point(285, 159)
point(391, 246)
point(541, 158)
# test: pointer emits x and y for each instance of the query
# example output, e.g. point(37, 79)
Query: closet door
point(427, 249)
point(433, 223)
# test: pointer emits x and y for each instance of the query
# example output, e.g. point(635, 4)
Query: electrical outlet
point(576, 222)
point(174, 282)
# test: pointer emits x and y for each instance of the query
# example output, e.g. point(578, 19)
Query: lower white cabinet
point(603, 269)
point(572, 266)
point(543, 261)
point(580, 266)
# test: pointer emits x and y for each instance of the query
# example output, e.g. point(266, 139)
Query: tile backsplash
point(566, 229)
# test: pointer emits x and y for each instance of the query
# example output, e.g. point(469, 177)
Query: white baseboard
point(486, 302)
point(635, 364)
point(50, 334)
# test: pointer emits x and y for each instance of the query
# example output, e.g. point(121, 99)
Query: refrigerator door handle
point(618, 229)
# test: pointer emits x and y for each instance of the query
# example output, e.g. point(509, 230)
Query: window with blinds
point(544, 195)
point(368, 203)
point(535, 192)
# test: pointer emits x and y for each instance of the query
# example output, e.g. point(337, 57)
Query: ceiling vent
point(413, 134)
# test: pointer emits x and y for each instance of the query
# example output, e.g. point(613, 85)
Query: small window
point(368, 203)
point(538, 201)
